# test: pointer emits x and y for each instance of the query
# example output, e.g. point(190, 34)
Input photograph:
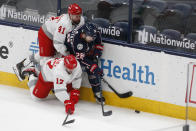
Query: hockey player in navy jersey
point(86, 44)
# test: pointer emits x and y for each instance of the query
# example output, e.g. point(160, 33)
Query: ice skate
point(18, 70)
point(98, 98)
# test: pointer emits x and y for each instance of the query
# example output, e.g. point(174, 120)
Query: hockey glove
point(74, 96)
point(96, 70)
point(97, 53)
point(69, 105)
point(98, 50)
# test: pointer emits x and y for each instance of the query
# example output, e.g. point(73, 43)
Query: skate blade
point(17, 73)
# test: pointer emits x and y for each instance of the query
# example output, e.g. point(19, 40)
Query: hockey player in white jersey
point(51, 38)
point(62, 74)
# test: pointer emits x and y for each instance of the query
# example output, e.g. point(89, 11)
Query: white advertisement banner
point(191, 89)
point(149, 75)
point(15, 45)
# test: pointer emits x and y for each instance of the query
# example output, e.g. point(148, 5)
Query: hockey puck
point(136, 111)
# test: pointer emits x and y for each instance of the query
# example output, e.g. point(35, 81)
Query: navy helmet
point(90, 29)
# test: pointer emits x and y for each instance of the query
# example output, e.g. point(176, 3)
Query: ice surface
point(18, 112)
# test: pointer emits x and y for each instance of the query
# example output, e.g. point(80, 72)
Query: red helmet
point(74, 9)
point(70, 62)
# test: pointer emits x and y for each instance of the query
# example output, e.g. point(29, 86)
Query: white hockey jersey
point(57, 28)
point(55, 71)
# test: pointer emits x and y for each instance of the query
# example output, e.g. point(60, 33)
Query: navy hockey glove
point(96, 70)
point(97, 53)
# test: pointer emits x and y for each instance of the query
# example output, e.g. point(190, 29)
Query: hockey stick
point(105, 113)
point(68, 122)
point(124, 95)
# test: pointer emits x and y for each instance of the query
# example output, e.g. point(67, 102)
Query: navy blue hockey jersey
point(84, 52)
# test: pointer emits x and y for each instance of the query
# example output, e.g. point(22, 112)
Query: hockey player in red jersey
point(51, 38)
point(61, 74)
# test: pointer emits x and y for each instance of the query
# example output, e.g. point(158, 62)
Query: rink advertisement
point(167, 42)
point(4, 52)
point(150, 75)
point(191, 95)
point(27, 16)
point(157, 80)
point(15, 45)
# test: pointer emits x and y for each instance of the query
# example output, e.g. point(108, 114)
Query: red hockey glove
point(74, 96)
point(69, 105)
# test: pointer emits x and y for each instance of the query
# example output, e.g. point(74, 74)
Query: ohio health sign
point(134, 73)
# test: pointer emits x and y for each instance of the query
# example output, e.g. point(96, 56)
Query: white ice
point(18, 112)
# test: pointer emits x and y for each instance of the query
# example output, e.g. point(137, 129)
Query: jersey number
point(80, 55)
point(61, 30)
point(59, 81)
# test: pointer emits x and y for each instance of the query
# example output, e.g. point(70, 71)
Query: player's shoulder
point(59, 62)
point(65, 20)
point(64, 17)
point(59, 69)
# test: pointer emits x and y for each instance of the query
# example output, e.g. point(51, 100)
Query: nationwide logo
point(2, 13)
point(28, 16)
point(112, 31)
point(147, 37)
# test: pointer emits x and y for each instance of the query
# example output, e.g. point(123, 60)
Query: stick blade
point(68, 122)
point(121, 95)
point(108, 113)
point(126, 95)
